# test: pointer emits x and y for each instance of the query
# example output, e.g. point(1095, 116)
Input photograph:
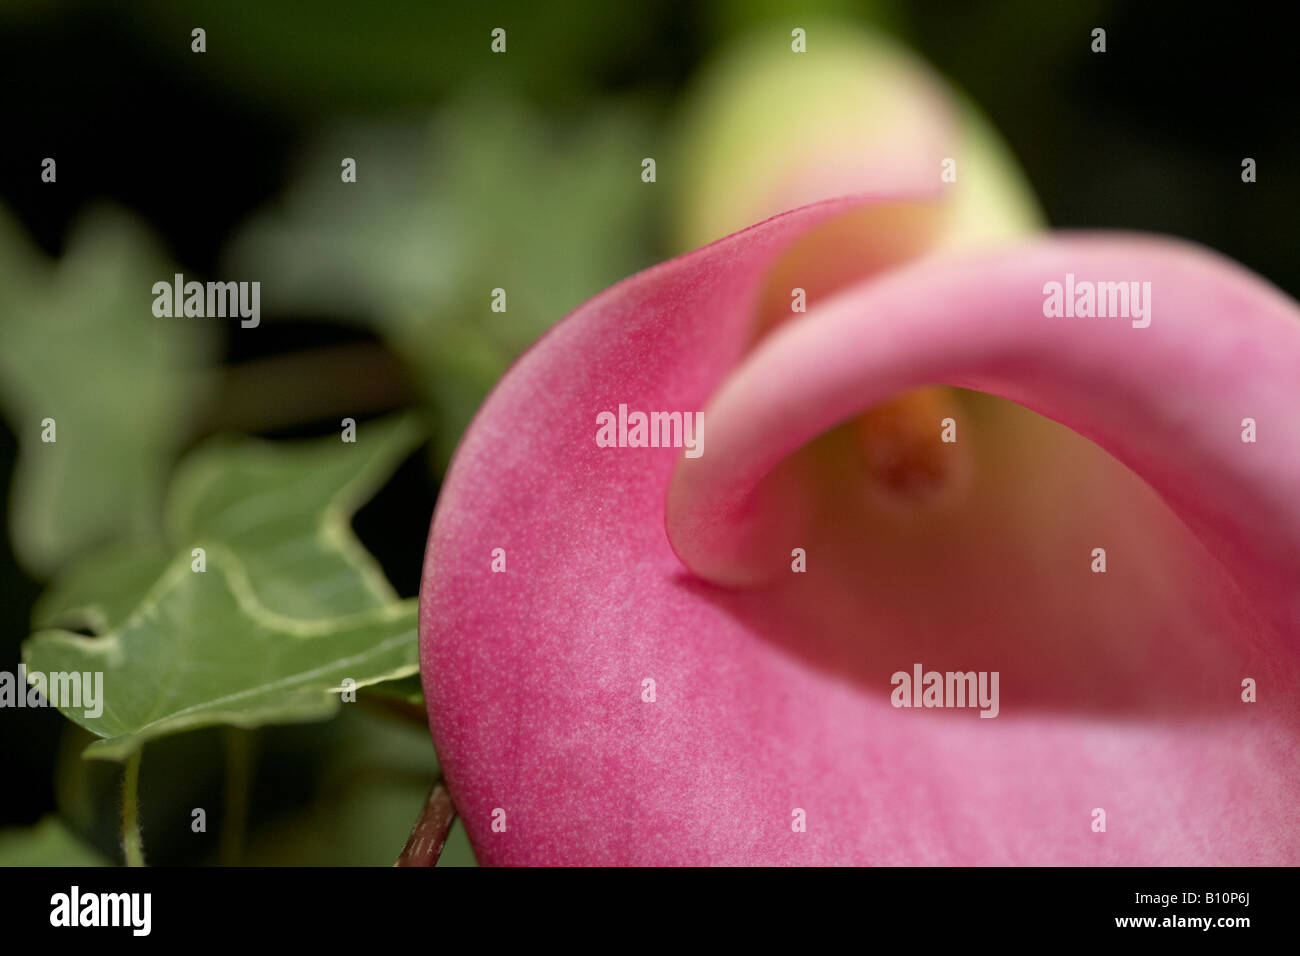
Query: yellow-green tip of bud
point(768, 128)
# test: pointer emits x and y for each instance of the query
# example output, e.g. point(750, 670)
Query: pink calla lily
point(635, 655)
point(1121, 691)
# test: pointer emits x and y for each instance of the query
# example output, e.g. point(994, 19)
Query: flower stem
point(132, 844)
point(239, 776)
point(424, 845)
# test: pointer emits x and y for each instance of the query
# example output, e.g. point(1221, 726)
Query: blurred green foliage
point(48, 843)
point(79, 345)
point(489, 195)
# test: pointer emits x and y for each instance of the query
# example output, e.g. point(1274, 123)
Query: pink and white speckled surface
point(1119, 691)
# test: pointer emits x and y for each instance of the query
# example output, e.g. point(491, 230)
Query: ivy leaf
point(287, 605)
point(79, 344)
point(284, 510)
point(47, 843)
point(99, 592)
point(202, 650)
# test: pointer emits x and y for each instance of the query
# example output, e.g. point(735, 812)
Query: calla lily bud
point(769, 129)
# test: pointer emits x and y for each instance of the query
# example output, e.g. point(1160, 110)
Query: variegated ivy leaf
point(209, 625)
point(201, 649)
point(285, 509)
point(100, 591)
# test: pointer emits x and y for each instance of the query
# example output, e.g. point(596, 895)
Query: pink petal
point(774, 699)
point(1167, 400)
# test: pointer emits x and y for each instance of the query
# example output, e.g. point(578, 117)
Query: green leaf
point(284, 509)
point(202, 650)
point(100, 591)
point(48, 843)
point(79, 344)
point(289, 604)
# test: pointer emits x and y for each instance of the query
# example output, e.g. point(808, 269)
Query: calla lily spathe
point(1120, 691)
point(770, 736)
